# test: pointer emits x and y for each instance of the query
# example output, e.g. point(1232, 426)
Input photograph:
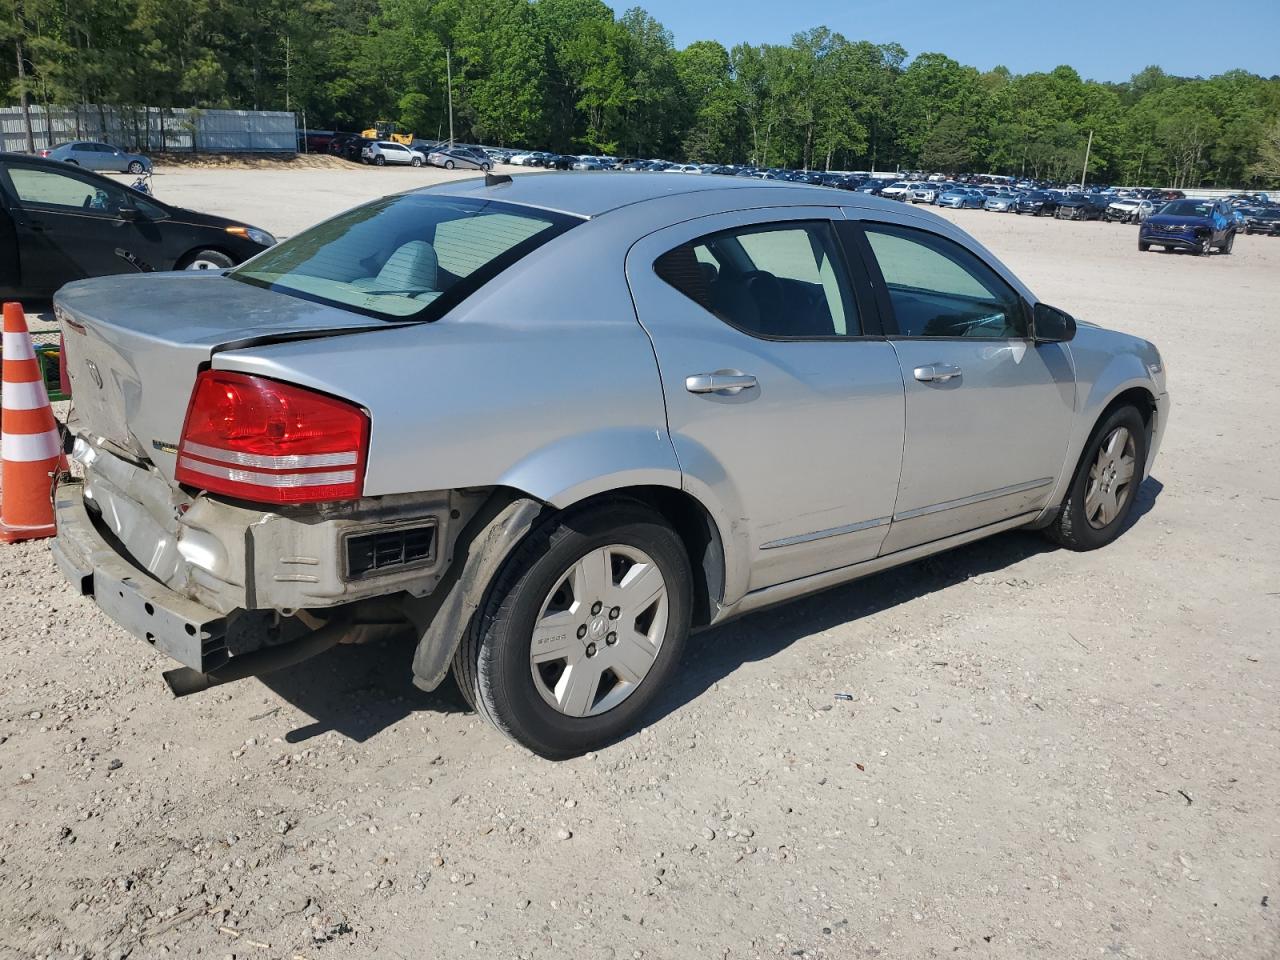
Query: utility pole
point(448, 66)
point(1084, 177)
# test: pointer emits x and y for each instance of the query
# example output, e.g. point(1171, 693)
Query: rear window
point(413, 256)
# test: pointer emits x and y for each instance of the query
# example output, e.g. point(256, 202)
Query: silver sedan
point(547, 427)
point(93, 155)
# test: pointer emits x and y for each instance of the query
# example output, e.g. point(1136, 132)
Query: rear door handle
point(936, 372)
point(729, 383)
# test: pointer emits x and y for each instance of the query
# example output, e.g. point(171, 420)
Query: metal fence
point(153, 128)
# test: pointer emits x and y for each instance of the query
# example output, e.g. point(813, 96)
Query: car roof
point(599, 193)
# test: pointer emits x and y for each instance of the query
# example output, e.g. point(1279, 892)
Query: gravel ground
point(1046, 754)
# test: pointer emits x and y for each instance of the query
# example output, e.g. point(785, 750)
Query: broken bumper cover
point(185, 630)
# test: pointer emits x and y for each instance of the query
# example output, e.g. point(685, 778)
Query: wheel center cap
point(596, 629)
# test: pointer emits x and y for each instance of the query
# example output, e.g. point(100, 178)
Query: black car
point(1262, 220)
point(1036, 202)
point(59, 224)
point(1081, 206)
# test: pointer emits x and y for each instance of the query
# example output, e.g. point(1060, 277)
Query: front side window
point(408, 256)
point(36, 186)
point(937, 288)
point(784, 280)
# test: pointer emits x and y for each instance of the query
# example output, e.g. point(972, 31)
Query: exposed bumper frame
point(183, 629)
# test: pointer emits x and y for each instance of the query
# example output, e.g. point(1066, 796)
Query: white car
point(1129, 210)
point(923, 193)
point(896, 191)
point(382, 152)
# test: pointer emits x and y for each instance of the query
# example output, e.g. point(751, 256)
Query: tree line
point(570, 76)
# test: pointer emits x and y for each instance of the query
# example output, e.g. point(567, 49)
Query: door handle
point(936, 372)
point(729, 383)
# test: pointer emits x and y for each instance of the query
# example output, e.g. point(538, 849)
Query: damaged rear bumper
point(189, 632)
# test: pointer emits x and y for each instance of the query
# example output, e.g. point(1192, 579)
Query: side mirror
point(1051, 325)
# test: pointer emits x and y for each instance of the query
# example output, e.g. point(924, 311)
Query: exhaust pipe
point(184, 681)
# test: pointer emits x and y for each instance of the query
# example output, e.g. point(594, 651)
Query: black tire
point(415, 162)
point(1248, 231)
point(1143, 247)
point(135, 166)
point(1228, 243)
point(379, 160)
point(1205, 249)
point(216, 258)
point(492, 665)
point(1071, 528)
point(448, 164)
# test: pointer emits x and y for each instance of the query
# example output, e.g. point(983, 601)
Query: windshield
point(412, 256)
point(1188, 208)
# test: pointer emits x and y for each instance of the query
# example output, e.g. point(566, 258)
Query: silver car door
point(988, 411)
point(784, 404)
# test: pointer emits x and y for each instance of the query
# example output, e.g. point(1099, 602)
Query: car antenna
point(496, 179)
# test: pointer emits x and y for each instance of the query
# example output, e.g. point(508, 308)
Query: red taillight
point(259, 439)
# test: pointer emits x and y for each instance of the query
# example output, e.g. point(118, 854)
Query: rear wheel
point(379, 160)
point(1105, 483)
point(581, 629)
point(1228, 243)
point(208, 260)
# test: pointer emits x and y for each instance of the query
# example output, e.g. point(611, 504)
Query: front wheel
point(1205, 247)
point(582, 628)
point(1105, 484)
point(208, 260)
point(448, 164)
point(135, 166)
point(1143, 247)
point(415, 162)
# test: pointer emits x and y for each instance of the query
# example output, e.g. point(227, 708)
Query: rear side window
point(412, 256)
point(778, 281)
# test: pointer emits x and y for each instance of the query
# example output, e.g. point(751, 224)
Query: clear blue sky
point(1103, 39)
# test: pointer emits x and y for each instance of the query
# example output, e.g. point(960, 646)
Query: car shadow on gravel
point(717, 653)
point(358, 691)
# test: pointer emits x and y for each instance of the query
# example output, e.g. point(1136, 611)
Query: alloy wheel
point(599, 630)
point(1110, 478)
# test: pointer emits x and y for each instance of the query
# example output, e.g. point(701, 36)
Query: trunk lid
point(134, 345)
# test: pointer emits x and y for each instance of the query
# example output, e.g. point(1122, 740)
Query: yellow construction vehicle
point(386, 130)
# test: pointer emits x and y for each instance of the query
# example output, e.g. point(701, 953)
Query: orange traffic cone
point(30, 447)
